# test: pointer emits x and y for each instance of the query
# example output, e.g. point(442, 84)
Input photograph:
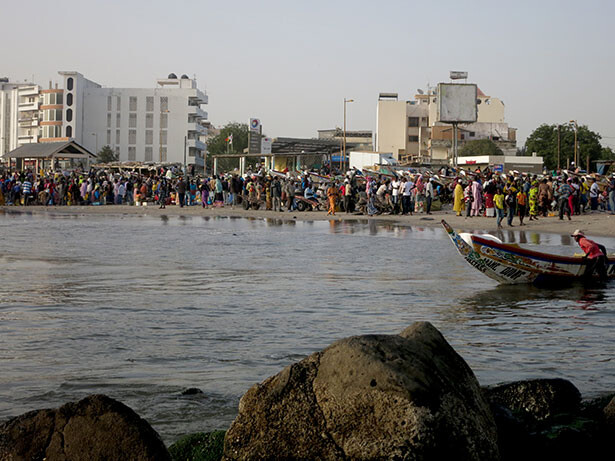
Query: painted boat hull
point(511, 264)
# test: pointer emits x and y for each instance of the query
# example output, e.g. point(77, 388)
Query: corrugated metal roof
point(49, 150)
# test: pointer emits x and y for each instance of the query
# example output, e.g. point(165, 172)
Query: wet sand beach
point(593, 223)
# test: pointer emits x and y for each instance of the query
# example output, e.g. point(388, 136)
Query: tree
point(219, 145)
point(480, 147)
point(544, 141)
point(106, 155)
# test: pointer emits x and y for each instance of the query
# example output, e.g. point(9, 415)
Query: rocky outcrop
point(407, 396)
point(95, 428)
point(537, 399)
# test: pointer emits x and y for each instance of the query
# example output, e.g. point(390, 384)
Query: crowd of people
point(479, 193)
point(528, 196)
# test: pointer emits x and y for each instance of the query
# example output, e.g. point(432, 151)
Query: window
point(69, 115)
point(117, 136)
point(163, 137)
point(119, 103)
point(109, 103)
point(149, 120)
point(149, 104)
point(191, 152)
point(413, 138)
point(472, 134)
point(69, 99)
point(108, 137)
point(117, 151)
point(413, 121)
point(132, 136)
point(118, 120)
point(132, 153)
point(149, 154)
point(132, 104)
point(58, 98)
point(163, 154)
point(69, 84)
point(132, 120)
point(164, 104)
point(108, 120)
point(69, 131)
point(149, 137)
point(164, 121)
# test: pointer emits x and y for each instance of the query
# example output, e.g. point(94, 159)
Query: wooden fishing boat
point(511, 264)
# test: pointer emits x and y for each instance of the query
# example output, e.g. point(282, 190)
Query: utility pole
point(558, 147)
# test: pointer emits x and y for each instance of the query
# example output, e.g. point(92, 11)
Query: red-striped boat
point(511, 264)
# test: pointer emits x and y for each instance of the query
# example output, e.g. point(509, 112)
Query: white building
point(161, 124)
point(19, 114)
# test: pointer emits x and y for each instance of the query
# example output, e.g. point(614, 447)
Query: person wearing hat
point(594, 253)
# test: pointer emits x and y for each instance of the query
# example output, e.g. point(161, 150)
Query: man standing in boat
point(595, 254)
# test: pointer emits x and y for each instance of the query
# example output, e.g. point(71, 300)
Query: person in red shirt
point(596, 256)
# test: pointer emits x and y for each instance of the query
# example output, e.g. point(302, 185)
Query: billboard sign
point(255, 125)
point(457, 102)
point(456, 75)
point(266, 146)
point(498, 168)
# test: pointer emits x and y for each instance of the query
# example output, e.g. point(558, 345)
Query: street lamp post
point(96, 148)
point(576, 153)
point(343, 162)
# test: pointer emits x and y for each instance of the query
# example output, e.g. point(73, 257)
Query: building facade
point(161, 124)
point(411, 132)
point(19, 114)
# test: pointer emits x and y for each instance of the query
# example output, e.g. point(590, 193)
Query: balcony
point(196, 110)
point(195, 143)
point(196, 128)
point(28, 123)
point(25, 106)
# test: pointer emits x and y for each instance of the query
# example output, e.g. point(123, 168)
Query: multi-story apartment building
point(160, 124)
point(410, 130)
point(19, 114)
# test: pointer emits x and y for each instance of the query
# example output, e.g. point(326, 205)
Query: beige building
point(410, 130)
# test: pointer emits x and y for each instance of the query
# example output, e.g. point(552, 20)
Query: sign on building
point(254, 136)
point(456, 102)
point(255, 124)
point(265, 145)
point(457, 75)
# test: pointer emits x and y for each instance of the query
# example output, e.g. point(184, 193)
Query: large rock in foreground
point(95, 428)
point(407, 396)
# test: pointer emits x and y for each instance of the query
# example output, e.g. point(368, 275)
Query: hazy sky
point(292, 63)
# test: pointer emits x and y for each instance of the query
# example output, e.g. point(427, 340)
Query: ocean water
point(141, 308)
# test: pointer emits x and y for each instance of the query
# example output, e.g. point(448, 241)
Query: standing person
point(477, 197)
point(348, 205)
point(596, 257)
point(594, 191)
point(180, 188)
point(276, 194)
point(204, 193)
point(459, 204)
point(407, 197)
point(510, 205)
point(544, 200)
point(395, 185)
point(332, 196)
point(468, 198)
point(611, 191)
point(498, 201)
point(564, 191)
point(521, 205)
point(429, 195)
point(533, 199)
point(162, 193)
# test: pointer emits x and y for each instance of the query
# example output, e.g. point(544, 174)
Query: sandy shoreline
point(596, 223)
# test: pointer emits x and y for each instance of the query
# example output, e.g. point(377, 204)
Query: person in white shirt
point(594, 191)
point(429, 195)
point(395, 185)
point(406, 199)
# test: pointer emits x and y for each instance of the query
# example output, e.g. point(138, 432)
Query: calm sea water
point(141, 308)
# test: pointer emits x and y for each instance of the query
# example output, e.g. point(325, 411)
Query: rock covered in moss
point(202, 446)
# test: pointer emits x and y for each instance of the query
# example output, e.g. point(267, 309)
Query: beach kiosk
point(39, 156)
